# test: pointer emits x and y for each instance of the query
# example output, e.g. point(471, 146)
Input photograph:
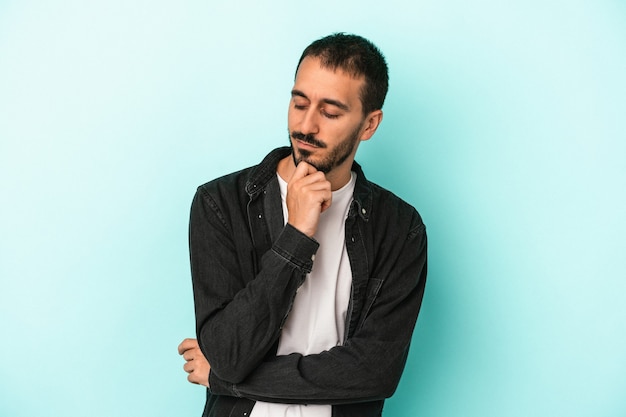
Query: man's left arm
point(369, 365)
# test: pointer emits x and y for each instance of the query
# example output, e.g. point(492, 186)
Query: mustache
point(310, 139)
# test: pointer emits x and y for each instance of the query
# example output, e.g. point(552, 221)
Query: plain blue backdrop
point(505, 125)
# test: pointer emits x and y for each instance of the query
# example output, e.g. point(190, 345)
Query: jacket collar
point(362, 193)
point(265, 172)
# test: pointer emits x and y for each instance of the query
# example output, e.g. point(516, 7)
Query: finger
point(186, 345)
point(193, 378)
point(327, 203)
point(314, 182)
point(189, 367)
point(199, 378)
point(302, 170)
point(190, 354)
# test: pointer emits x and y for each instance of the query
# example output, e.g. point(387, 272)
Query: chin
point(299, 155)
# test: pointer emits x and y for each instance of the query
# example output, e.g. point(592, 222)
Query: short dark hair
point(357, 56)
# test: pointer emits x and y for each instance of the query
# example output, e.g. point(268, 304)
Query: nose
point(309, 125)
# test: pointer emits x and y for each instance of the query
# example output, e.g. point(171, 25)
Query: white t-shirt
point(317, 319)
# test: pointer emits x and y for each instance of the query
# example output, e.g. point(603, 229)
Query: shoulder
point(248, 180)
point(226, 183)
point(224, 197)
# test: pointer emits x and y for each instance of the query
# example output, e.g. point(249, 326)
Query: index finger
point(187, 344)
point(302, 170)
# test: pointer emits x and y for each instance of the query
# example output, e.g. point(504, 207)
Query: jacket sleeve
point(238, 318)
point(369, 365)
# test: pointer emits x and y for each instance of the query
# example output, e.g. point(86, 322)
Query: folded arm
point(239, 311)
point(368, 366)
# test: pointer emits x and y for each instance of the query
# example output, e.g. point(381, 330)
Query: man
point(307, 278)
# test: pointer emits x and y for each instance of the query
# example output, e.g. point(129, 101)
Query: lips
point(308, 141)
point(305, 145)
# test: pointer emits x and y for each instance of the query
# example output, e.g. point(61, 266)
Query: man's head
point(336, 101)
point(358, 57)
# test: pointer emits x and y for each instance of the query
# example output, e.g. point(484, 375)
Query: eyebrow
point(330, 101)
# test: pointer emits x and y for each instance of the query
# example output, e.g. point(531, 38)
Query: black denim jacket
point(246, 267)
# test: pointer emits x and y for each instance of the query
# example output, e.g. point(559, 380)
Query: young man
point(307, 278)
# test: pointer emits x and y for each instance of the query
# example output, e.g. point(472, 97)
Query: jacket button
point(363, 211)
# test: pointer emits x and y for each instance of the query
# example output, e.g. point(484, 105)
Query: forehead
point(319, 83)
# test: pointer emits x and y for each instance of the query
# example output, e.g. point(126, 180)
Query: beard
point(336, 156)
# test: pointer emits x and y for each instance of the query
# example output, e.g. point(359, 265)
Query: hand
point(308, 195)
point(196, 366)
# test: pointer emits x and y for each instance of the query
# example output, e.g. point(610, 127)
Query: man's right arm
point(238, 318)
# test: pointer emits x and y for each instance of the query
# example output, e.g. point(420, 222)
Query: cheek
point(291, 119)
point(341, 132)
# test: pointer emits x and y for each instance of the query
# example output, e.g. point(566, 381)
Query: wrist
point(296, 247)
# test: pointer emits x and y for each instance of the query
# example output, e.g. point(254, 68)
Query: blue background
point(504, 125)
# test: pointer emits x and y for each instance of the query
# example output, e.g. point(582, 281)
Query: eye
point(330, 115)
point(299, 103)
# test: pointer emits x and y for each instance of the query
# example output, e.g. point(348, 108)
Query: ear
point(372, 121)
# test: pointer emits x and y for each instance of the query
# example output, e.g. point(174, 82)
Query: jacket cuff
point(218, 386)
point(296, 247)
